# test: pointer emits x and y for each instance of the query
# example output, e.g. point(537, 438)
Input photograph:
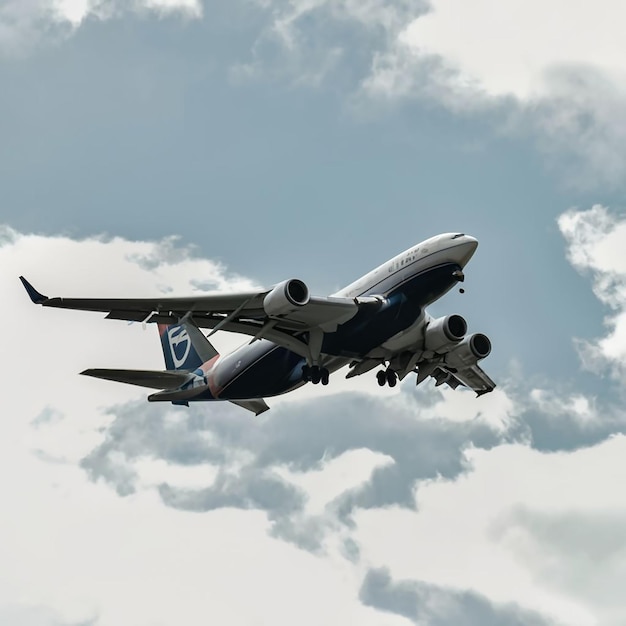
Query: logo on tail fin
point(180, 345)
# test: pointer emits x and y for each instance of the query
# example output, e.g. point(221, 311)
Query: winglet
point(35, 296)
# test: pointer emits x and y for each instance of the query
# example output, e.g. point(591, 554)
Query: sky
point(182, 146)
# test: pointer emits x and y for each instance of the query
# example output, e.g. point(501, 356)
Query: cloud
point(551, 69)
point(596, 239)
point(438, 606)
point(26, 23)
point(514, 49)
point(324, 38)
point(266, 464)
point(567, 88)
point(489, 532)
point(24, 615)
point(360, 505)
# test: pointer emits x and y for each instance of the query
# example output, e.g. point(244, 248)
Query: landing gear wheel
point(381, 377)
point(316, 374)
point(392, 379)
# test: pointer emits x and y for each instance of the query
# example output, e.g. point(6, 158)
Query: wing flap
point(206, 303)
point(153, 379)
point(476, 379)
point(125, 308)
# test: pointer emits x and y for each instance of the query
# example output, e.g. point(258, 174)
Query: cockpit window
point(458, 235)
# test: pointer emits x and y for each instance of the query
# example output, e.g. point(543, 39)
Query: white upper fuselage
point(448, 247)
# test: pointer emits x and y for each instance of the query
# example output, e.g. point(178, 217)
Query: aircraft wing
point(245, 312)
point(157, 309)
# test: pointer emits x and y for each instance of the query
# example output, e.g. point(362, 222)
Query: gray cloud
point(331, 41)
point(550, 433)
point(297, 436)
point(430, 605)
point(564, 419)
point(247, 490)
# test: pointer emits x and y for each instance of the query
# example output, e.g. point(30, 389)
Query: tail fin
point(184, 346)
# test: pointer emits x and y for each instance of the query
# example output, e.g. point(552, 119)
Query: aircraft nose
point(467, 247)
point(471, 242)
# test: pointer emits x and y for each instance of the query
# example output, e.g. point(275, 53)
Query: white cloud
point(25, 23)
point(72, 11)
point(542, 530)
point(576, 407)
point(189, 8)
point(496, 410)
point(513, 48)
point(596, 241)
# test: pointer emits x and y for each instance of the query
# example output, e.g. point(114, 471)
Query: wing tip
point(33, 294)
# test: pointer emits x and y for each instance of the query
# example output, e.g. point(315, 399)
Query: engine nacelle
point(286, 297)
point(442, 334)
point(471, 350)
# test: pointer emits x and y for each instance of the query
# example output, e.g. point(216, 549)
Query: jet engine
point(442, 334)
point(471, 350)
point(286, 297)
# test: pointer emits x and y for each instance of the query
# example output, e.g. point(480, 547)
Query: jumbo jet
point(379, 321)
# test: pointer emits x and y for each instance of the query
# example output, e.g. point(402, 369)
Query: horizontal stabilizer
point(142, 378)
point(257, 406)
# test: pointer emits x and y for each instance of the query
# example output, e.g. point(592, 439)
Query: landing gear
point(325, 377)
point(315, 374)
point(387, 377)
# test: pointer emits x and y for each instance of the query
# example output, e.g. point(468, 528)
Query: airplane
point(380, 320)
